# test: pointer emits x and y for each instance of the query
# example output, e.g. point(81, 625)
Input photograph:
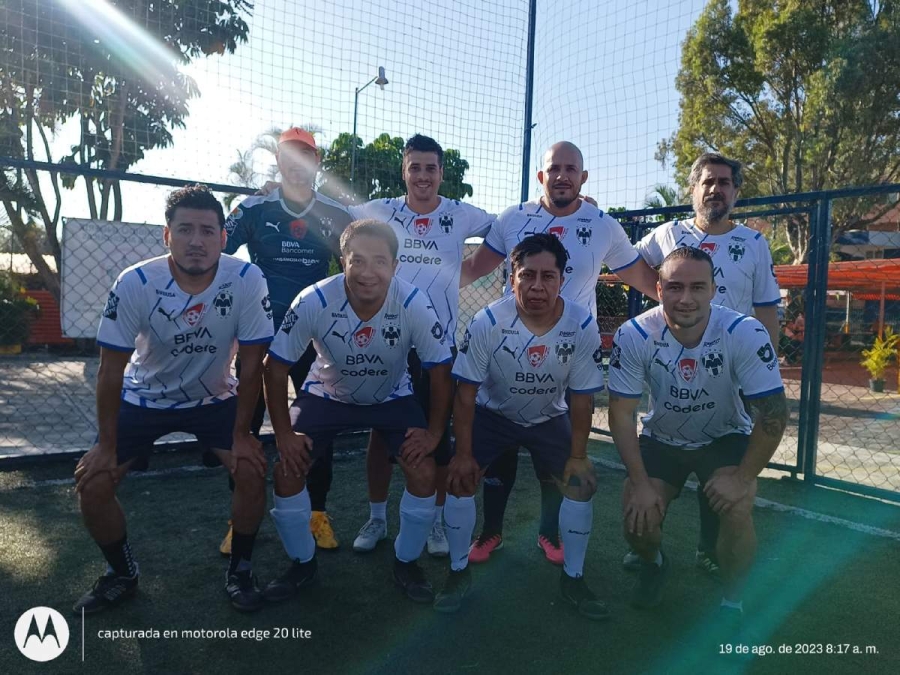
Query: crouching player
point(362, 324)
point(518, 358)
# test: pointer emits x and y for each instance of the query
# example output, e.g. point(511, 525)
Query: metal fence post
point(634, 295)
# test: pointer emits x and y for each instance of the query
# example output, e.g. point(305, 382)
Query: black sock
point(241, 551)
point(709, 525)
point(498, 484)
point(551, 500)
point(119, 556)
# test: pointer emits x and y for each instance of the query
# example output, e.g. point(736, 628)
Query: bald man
point(592, 239)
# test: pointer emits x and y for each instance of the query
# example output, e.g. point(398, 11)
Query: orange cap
point(296, 135)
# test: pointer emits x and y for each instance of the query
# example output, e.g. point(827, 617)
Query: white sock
point(438, 514)
point(416, 519)
point(739, 605)
point(459, 523)
point(575, 520)
point(291, 516)
point(659, 559)
point(378, 510)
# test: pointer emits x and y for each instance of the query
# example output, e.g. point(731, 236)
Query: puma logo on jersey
point(511, 352)
point(341, 336)
point(274, 226)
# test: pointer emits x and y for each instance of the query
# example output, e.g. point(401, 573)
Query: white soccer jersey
point(431, 247)
point(591, 238)
point(694, 392)
point(744, 273)
point(184, 344)
point(522, 376)
point(360, 362)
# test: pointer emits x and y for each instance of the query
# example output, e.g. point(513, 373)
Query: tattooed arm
point(770, 415)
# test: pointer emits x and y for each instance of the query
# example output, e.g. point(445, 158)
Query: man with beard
point(592, 239)
point(744, 281)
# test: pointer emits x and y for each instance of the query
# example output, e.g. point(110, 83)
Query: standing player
point(592, 239)
point(520, 356)
point(696, 358)
point(292, 233)
point(175, 322)
point(362, 323)
point(744, 281)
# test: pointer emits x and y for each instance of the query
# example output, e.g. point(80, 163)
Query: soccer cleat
point(410, 577)
point(631, 561)
point(707, 562)
point(320, 526)
point(456, 588)
point(108, 591)
point(243, 590)
point(481, 548)
point(647, 591)
point(298, 575)
point(225, 546)
point(369, 535)
point(553, 550)
point(575, 591)
point(438, 546)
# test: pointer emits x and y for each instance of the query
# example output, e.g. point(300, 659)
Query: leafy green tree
point(115, 77)
point(804, 92)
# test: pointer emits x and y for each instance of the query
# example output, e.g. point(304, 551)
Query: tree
point(805, 93)
point(115, 76)
point(661, 196)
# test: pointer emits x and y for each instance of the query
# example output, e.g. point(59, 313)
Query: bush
point(16, 311)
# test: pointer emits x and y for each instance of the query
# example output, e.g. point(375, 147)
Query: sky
point(604, 79)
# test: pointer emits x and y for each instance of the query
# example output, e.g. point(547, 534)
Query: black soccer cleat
point(457, 586)
point(575, 591)
point(410, 577)
point(298, 575)
point(108, 591)
point(243, 590)
point(647, 591)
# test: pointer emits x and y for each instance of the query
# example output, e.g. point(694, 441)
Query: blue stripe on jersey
point(662, 336)
point(280, 358)
point(140, 273)
point(639, 329)
point(490, 316)
point(428, 365)
point(115, 348)
point(593, 390)
point(460, 378)
point(587, 321)
point(736, 322)
point(633, 262)
point(409, 299)
point(244, 270)
point(260, 341)
point(171, 281)
point(493, 249)
point(344, 306)
point(623, 395)
point(515, 321)
point(321, 296)
point(767, 304)
point(758, 235)
point(776, 390)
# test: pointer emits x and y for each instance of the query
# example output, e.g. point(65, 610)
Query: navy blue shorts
point(673, 464)
point(138, 427)
point(550, 442)
point(421, 383)
point(323, 418)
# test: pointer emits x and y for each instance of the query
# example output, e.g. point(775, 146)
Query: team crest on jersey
point(564, 351)
point(687, 368)
point(464, 345)
point(193, 314)
point(223, 302)
point(298, 228)
point(326, 227)
point(437, 331)
point(558, 231)
point(767, 356)
point(584, 235)
point(267, 306)
point(736, 251)
point(714, 363)
point(231, 222)
point(709, 247)
point(598, 357)
point(111, 311)
point(422, 226)
point(363, 336)
point(289, 320)
point(391, 334)
point(446, 223)
point(537, 354)
point(615, 356)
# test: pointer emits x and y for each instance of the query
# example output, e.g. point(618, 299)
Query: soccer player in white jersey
point(362, 324)
point(592, 239)
point(744, 280)
point(167, 336)
point(520, 356)
point(697, 358)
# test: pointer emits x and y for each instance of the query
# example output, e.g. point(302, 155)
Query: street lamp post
point(380, 80)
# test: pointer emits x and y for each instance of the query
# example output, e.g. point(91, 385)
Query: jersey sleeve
point(587, 370)
point(255, 321)
point(765, 284)
point(120, 321)
point(239, 228)
point(296, 330)
point(754, 363)
point(427, 333)
point(479, 222)
point(621, 252)
point(494, 239)
point(474, 356)
point(626, 368)
point(650, 248)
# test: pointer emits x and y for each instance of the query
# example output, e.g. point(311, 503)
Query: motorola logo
point(42, 634)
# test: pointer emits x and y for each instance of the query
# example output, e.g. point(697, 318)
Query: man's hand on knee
point(463, 475)
point(727, 489)
point(644, 509)
point(97, 461)
point(579, 481)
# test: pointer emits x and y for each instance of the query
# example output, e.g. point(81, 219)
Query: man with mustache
point(744, 281)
